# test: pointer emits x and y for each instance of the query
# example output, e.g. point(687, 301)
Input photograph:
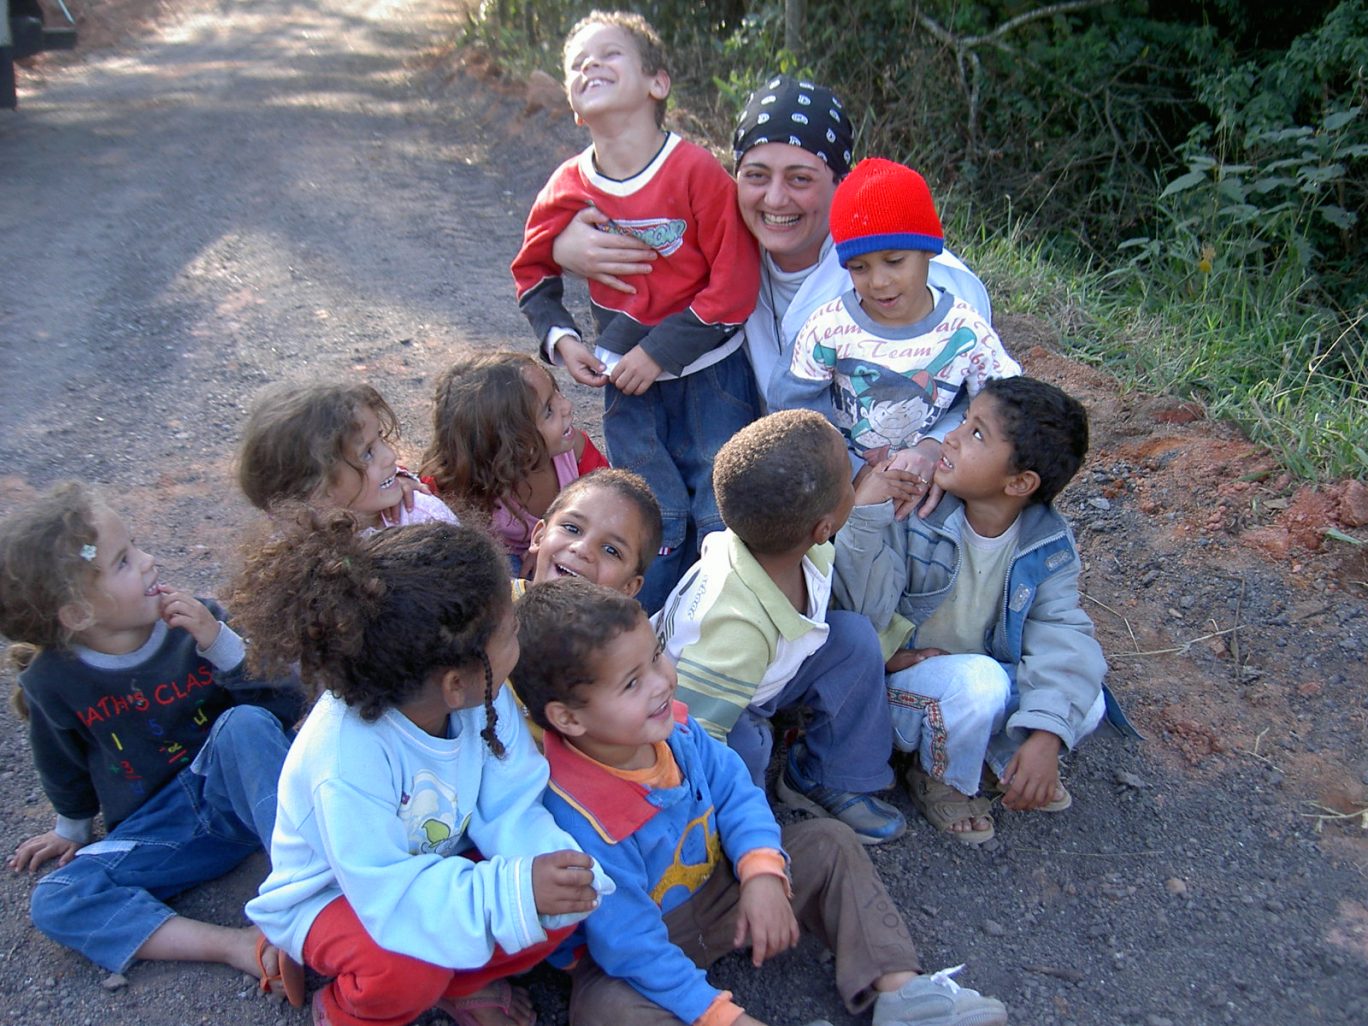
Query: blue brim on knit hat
point(852, 248)
point(883, 205)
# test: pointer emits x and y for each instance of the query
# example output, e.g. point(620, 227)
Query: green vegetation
point(1178, 185)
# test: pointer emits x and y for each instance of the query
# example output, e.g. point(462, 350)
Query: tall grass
point(1261, 349)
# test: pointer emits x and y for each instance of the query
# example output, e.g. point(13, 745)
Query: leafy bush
point(1194, 168)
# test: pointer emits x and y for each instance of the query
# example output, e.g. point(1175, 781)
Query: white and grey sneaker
point(937, 1000)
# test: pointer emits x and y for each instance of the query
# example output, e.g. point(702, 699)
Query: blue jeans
point(953, 709)
point(670, 436)
point(107, 901)
point(850, 736)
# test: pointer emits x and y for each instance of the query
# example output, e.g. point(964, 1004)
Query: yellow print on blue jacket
point(697, 834)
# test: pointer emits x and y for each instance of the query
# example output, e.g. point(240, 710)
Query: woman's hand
point(920, 462)
point(605, 256)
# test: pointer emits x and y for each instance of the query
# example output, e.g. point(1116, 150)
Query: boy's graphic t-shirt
point(887, 386)
point(660, 834)
point(703, 283)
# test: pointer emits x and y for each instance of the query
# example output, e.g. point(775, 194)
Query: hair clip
point(88, 553)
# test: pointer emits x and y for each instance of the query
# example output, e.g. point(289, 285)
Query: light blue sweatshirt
point(382, 811)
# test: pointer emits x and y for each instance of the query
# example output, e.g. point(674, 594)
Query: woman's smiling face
point(784, 193)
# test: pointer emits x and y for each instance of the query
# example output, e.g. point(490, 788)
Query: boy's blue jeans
point(670, 435)
point(107, 901)
point(849, 737)
point(952, 709)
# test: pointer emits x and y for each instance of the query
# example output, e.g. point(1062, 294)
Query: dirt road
point(266, 189)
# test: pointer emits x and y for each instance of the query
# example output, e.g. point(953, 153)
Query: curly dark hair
point(562, 625)
point(296, 434)
point(372, 618)
point(646, 39)
point(631, 488)
point(485, 439)
point(1048, 429)
point(778, 476)
point(41, 569)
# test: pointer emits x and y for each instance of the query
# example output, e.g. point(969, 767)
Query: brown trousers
point(837, 897)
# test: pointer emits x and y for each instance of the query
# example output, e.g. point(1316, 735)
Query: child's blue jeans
point(107, 901)
point(849, 736)
point(951, 710)
point(670, 435)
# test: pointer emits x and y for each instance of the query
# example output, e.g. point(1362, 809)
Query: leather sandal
point(943, 807)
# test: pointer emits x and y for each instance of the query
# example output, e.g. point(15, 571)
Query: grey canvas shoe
point(937, 1000)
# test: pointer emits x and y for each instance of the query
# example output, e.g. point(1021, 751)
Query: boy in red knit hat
point(887, 359)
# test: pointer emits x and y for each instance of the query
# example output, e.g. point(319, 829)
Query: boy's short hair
point(646, 39)
point(778, 476)
point(633, 489)
point(562, 625)
point(1047, 427)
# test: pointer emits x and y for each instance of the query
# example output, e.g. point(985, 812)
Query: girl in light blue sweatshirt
point(412, 861)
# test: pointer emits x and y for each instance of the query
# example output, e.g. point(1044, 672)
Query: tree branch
point(964, 46)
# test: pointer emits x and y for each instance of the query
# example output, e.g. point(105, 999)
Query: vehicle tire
point(9, 99)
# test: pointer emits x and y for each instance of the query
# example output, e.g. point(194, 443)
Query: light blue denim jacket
point(888, 569)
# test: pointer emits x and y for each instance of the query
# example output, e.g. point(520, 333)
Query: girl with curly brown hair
point(331, 444)
point(138, 709)
point(413, 860)
point(504, 443)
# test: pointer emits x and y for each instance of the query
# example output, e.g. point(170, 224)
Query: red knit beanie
point(883, 205)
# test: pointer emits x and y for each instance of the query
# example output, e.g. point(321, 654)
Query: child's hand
point(408, 485)
point(1032, 776)
point(766, 916)
point(876, 484)
point(905, 657)
point(563, 883)
point(36, 850)
point(181, 609)
point(580, 361)
point(635, 372)
point(919, 462)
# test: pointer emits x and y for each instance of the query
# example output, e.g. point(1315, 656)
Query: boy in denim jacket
point(991, 655)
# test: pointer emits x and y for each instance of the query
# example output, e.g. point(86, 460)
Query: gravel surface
point(269, 189)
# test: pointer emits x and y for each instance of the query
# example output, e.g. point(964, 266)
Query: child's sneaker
point(873, 821)
point(937, 1000)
